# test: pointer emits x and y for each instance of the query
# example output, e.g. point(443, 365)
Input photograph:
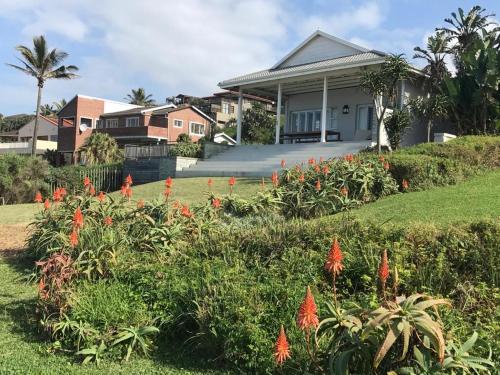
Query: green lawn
point(476, 198)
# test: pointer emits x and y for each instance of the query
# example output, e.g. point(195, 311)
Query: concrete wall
point(25, 147)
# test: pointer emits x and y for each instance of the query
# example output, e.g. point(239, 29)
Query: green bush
point(187, 150)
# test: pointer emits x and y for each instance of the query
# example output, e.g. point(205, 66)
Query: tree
point(47, 110)
point(429, 109)
point(60, 105)
point(382, 86)
point(42, 64)
point(139, 97)
point(396, 125)
point(100, 148)
point(257, 125)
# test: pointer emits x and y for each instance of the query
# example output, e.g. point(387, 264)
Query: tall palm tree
point(139, 97)
point(100, 148)
point(434, 55)
point(42, 64)
point(59, 105)
point(47, 110)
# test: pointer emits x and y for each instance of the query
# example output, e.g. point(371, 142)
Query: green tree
point(396, 125)
point(100, 148)
point(42, 64)
point(47, 110)
point(60, 105)
point(382, 86)
point(429, 109)
point(257, 125)
point(139, 97)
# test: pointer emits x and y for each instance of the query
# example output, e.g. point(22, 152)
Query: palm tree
point(139, 97)
point(100, 148)
point(47, 110)
point(60, 104)
point(434, 55)
point(43, 64)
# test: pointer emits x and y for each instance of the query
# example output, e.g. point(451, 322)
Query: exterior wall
point(46, 131)
point(353, 97)
point(25, 147)
point(187, 115)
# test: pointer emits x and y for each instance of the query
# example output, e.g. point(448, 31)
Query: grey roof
point(366, 58)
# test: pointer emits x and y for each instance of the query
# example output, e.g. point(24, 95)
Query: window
point(225, 107)
point(99, 124)
point(111, 123)
point(132, 122)
point(85, 122)
point(333, 123)
point(178, 123)
point(364, 118)
point(196, 129)
point(305, 121)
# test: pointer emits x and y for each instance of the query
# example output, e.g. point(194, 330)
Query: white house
point(317, 88)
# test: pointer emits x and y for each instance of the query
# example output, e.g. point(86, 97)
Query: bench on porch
point(304, 137)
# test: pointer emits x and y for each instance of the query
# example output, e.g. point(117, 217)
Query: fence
point(134, 152)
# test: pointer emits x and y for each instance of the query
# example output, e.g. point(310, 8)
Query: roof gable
point(318, 47)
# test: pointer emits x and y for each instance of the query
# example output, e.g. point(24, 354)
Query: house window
point(85, 123)
point(111, 123)
point(178, 123)
point(132, 122)
point(225, 108)
point(305, 121)
point(196, 128)
point(333, 122)
point(364, 118)
point(99, 124)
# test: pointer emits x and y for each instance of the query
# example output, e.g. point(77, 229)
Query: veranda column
point(278, 115)
point(323, 109)
point(239, 118)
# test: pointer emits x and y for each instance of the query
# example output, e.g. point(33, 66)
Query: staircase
point(262, 160)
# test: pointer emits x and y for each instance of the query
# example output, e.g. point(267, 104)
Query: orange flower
point(216, 203)
point(128, 180)
point(318, 185)
point(56, 196)
point(186, 212)
point(317, 169)
point(38, 197)
point(86, 181)
point(101, 197)
point(209, 183)
point(283, 163)
point(169, 182)
point(128, 192)
point(308, 312)
point(301, 177)
point(92, 190)
point(167, 192)
point(386, 166)
point(405, 184)
point(349, 158)
point(78, 218)
point(140, 203)
point(383, 269)
point(344, 191)
point(281, 349)
point(275, 178)
point(63, 192)
point(334, 260)
point(46, 204)
point(108, 220)
point(232, 181)
point(73, 239)
point(326, 170)
point(311, 161)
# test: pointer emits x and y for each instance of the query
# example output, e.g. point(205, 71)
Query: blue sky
point(171, 46)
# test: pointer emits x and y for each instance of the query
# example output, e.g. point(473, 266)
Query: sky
point(188, 46)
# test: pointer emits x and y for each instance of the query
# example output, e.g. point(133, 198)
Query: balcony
point(139, 133)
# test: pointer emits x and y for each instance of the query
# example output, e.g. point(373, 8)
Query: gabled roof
point(314, 36)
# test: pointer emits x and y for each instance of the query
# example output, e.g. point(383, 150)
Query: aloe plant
point(135, 336)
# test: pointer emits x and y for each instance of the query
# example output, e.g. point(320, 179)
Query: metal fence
point(104, 178)
point(134, 152)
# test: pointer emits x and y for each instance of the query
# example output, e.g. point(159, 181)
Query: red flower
point(108, 220)
point(311, 161)
point(216, 203)
point(167, 192)
point(92, 190)
point(318, 185)
point(326, 170)
point(283, 163)
point(186, 212)
point(169, 182)
point(73, 239)
point(86, 181)
point(63, 192)
point(404, 184)
point(128, 192)
point(383, 269)
point(232, 181)
point(128, 180)
point(140, 203)
point(308, 312)
point(101, 197)
point(78, 218)
point(334, 260)
point(56, 196)
point(344, 191)
point(275, 178)
point(301, 177)
point(349, 158)
point(281, 349)
point(38, 197)
point(386, 166)
point(46, 204)
point(209, 183)
point(317, 169)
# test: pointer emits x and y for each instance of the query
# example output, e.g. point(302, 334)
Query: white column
point(323, 109)
point(239, 118)
point(278, 115)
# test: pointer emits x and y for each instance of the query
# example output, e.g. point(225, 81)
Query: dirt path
point(12, 237)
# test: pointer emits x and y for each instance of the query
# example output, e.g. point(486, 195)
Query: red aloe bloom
point(275, 178)
point(78, 218)
point(283, 163)
point(169, 182)
point(281, 349)
point(209, 183)
point(301, 177)
point(334, 259)
point(232, 181)
point(404, 184)
point(383, 269)
point(140, 203)
point(167, 192)
point(128, 180)
point(92, 190)
point(326, 170)
point(344, 191)
point(63, 192)
point(56, 196)
point(123, 189)
point(317, 169)
point(349, 158)
point(386, 166)
point(216, 203)
point(73, 238)
point(46, 204)
point(311, 161)
point(38, 197)
point(186, 212)
point(108, 220)
point(308, 312)
point(101, 197)
point(318, 185)
point(128, 192)
point(86, 181)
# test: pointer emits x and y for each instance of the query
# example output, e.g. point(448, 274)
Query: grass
point(477, 198)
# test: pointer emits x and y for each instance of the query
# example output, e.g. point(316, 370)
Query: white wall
point(45, 129)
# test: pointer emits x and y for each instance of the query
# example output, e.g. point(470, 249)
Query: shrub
point(187, 150)
point(396, 124)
